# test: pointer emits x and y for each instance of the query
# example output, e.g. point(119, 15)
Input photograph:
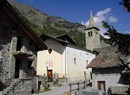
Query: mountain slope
point(50, 25)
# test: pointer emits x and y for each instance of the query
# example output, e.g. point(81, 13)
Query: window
point(50, 51)
point(29, 64)
point(74, 60)
point(86, 62)
point(90, 75)
point(19, 43)
point(90, 34)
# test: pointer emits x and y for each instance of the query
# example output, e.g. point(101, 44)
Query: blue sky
point(77, 11)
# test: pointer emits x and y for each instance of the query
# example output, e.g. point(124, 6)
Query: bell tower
point(92, 34)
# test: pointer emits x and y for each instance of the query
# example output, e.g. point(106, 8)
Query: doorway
point(50, 75)
point(102, 86)
point(17, 68)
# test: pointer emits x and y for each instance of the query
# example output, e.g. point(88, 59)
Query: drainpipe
point(65, 62)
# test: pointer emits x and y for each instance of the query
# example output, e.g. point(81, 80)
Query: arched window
point(90, 34)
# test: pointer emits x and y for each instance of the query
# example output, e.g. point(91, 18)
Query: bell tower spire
point(91, 20)
point(92, 34)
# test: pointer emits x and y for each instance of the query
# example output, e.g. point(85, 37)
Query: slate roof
point(107, 57)
point(44, 37)
point(65, 40)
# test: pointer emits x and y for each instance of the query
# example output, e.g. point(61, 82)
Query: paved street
point(58, 91)
point(65, 88)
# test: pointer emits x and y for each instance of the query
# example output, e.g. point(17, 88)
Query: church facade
point(66, 60)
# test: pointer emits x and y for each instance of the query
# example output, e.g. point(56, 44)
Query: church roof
point(91, 24)
point(60, 39)
point(64, 39)
point(91, 20)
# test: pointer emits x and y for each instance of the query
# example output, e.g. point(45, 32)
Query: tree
point(122, 41)
point(126, 4)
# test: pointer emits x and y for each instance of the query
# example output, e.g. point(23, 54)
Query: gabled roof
point(19, 22)
point(44, 37)
point(107, 57)
point(64, 39)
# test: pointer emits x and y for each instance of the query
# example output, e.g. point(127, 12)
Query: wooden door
point(49, 73)
point(101, 86)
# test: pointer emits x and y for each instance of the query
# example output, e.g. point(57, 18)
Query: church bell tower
point(92, 34)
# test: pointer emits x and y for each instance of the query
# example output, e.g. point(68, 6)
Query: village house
point(107, 70)
point(64, 59)
point(18, 53)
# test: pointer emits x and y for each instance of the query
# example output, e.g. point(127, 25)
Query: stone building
point(107, 70)
point(18, 53)
point(107, 66)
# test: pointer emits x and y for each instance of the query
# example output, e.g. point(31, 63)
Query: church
point(65, 59)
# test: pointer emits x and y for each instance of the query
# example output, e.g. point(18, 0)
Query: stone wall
point(12, 58)
point(92, 41)
point(8, 42)
point(110, 77)
point(23, 88)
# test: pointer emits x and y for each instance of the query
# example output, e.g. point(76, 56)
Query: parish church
point(65, 59)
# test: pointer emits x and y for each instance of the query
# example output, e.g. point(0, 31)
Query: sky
point(77, 11)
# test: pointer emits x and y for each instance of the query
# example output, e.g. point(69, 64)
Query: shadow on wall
point(2, 86)
point(31, 72)
point(124, 79)
point(128, 92)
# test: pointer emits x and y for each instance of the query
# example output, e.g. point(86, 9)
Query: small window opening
point(49, 50)
point(86, 62)
point(90, 34)
point(74, 60)
point(19, 43)
point(29, 64)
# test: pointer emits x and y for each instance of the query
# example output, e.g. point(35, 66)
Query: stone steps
point(11, 87)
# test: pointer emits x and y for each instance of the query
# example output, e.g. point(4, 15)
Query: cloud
point(112, 19)
point(103, 12)
point(127, 32)
point(100, 16)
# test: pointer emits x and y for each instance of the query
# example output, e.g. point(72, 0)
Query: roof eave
point(9, 10)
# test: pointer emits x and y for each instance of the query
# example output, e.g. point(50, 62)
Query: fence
point(79, 85)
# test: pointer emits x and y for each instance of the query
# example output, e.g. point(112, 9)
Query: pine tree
point(122, 41)
point(126, 4)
